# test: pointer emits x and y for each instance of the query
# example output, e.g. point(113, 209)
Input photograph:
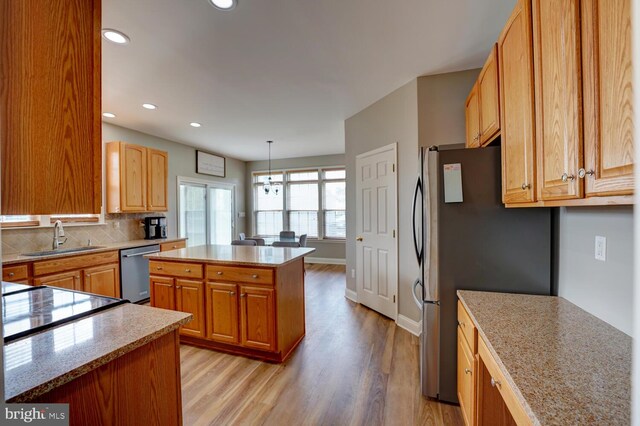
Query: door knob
point(495, 382)
point(566, 177)
point(243, 295)
point(254, 276)
point(359, 239)
point(232, 293)
point(219, 272)
point(582, 173)
point(526, 186)
point(467, 371)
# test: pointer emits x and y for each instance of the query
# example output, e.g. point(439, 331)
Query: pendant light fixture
point(269, 186)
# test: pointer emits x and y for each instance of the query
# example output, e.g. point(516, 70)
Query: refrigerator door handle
point(416, 193)
point(413, 292)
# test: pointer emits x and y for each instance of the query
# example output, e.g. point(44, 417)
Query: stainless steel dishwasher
point(134, 273)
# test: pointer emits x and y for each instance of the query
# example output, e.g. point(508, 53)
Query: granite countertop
point(39, 363)
point(8, 259)
point(565, 365)
point(235, 255)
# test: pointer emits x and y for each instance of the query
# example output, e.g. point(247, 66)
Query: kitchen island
point(246, 300)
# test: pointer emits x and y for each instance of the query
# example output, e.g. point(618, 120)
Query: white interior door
point(376, 224)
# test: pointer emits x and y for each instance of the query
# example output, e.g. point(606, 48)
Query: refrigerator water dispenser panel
point(452, 183)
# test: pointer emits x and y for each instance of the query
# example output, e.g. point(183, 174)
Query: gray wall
point(393, 119)
point(182, 162)
point(324, 249)
point(604, 289)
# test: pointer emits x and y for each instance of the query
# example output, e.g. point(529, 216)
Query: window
point(17, 221)
point(310, 202)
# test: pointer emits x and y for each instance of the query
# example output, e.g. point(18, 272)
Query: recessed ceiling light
point(108, 115)
point(224, 4)
point(115, 36)
point(194, 124)
point(149, 106)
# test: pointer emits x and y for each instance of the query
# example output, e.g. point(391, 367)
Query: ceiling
point(287, 70)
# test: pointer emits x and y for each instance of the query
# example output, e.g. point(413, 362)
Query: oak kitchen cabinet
point(582, 141)
point(515, 58)
point(136, 178)
point(482, 108)
point(97, 273)
point(51, 107)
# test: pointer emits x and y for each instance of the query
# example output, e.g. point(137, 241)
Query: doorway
point(206, 212)
point(376, 225)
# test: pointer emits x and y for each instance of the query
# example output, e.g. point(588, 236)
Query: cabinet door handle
point(187, 270)
point(495, 382)
point(526, 186)
point(461, 324)
point(159, 268)
point(178, 286)
point(11, 274)
point(232, 293)
point(467, 371)
point(175, 246)
point(243, 295)
point(566, 177)
point(255, 275)
point(582, 173)
point(88, 275)
point(219, 272)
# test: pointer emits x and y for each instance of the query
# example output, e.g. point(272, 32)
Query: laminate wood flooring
point(354, 367)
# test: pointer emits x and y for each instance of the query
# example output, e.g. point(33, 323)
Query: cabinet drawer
point(45, 267)
point(15, 272)
point(176, 269)
point(507, 393)
point(173, 246)
point(467, 327)
point(235, 274)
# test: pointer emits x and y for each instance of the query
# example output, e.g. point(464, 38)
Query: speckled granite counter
point(9, 259)
point(565, 366)
point(236, 255)
point(39, 363)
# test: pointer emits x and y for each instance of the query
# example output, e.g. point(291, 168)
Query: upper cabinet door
point(133, 178)
point(607, 91)
point(556, 45)
point(158, 172)
point(50, 77)
point(489, 98)
point(516, 107)
point(472, 116)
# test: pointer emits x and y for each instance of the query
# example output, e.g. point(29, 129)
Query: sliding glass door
point(206, 212)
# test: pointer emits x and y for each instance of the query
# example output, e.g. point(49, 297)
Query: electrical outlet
point(116, 224)
point(601, 248)
point(353, 273)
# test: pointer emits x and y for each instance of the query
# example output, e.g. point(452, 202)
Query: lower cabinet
point(71, 280)
point(180, 295)
point(104, 280)
point(222, 312)
point(257, 318)
point(466, 379)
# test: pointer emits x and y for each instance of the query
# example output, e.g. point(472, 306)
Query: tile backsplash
point(117, 228)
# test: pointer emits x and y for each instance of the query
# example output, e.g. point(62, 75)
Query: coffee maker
point(155, 227)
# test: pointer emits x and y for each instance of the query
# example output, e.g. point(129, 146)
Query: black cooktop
point(39, 308)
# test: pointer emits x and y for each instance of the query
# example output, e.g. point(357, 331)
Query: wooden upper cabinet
point(190, 299)
point(515, 69)
point(556, 46)
point(158, 175)
point(104, 280)
point(50, 107)
point(223, 321)
point(472, 118)
point(136, 178)
point(489, 99)
point(608, 97)
point(257, 318)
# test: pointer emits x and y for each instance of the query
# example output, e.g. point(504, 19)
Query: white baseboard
point(325, 260)
point(413, 327)
point(351, 295)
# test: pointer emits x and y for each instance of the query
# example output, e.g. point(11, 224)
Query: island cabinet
point(257, 311)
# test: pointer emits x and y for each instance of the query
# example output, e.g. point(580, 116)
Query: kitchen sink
point(61, 251)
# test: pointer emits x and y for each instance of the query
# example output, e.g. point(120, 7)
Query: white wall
point(182, 162)
point(604, 289)
point(327, 249)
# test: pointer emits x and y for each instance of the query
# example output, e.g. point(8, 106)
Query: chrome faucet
point(58, 232)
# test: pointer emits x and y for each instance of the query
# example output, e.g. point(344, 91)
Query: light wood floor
point(353, 367)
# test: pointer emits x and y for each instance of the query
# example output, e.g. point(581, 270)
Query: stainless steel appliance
point(134, 273)
point(466, 239)
point(155, 227)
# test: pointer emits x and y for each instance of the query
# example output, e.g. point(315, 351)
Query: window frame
point(256, 184)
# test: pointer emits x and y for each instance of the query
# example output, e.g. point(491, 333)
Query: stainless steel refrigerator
point(466, 239)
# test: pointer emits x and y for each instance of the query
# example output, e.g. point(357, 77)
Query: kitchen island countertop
point(565, 365)
point(235, 255)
